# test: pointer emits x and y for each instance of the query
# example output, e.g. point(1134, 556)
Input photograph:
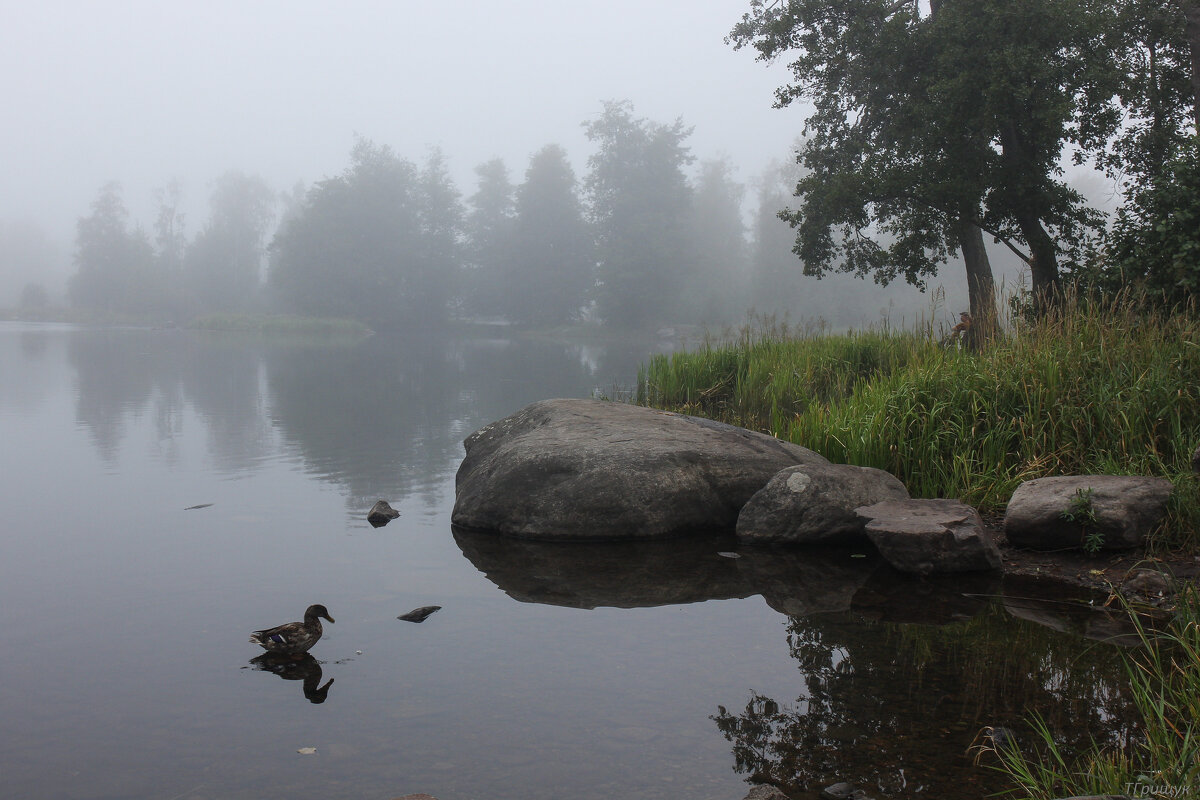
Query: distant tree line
point(640, 240)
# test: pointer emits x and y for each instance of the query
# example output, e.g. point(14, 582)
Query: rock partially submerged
point(590, 469)
point(419, 614)
point(1060, 512)
point(381, 514)
point(814, 504)
point(929, 537)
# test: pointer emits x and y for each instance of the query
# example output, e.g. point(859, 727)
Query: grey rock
point(929, 537)
point(765, 792)
point(591, 469)
point(843, 791)
point(419, 614)
point(1148, 582)
point(814, 504)
point(1125, 509)
point(381, 514)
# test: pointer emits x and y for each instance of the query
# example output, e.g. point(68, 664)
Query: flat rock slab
point(591, 469)
point(814, 504)
point(929, 537)
point(1049, 513)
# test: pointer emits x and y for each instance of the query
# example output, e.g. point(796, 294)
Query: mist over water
point(168, 491)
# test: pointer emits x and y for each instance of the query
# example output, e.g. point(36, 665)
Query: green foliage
point(927, 122)
point(1081, 512)
point(1156, 240)
point(1098, 388)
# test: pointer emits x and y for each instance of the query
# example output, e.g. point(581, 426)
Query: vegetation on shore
point(1164, 757)
point(281, 324)
point(1096, 387)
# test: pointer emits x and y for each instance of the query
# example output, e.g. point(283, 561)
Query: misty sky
point(142, 92)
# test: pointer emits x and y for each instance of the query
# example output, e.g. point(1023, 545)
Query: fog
point(146, 93)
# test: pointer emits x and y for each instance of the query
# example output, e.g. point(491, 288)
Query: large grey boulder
point(590, 469)
point(929, 537)
point(1115, 511)
point(814, 504)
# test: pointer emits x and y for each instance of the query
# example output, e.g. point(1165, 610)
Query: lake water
point(660, 670)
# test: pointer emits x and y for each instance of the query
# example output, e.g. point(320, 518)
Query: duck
point(293, 638)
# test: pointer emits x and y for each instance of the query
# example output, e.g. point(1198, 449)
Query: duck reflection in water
point(300, 667)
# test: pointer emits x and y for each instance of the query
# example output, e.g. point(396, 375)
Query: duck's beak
point(329, 618)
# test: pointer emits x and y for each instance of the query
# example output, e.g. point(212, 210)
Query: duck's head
point(318, 610)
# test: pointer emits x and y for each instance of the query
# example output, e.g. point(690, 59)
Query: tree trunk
point(981, 288)
point(1025, 200)
point(1191, 11)
point(1043, 263)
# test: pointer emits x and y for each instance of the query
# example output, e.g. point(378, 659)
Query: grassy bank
point(1109, 388)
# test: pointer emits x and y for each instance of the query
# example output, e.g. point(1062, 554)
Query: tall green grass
point(1109, 388)
point(1164, 761)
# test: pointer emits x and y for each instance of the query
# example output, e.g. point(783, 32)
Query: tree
point(170, 243)
point(640, 203)
point(377, 243)
point(435, 279)
point(1156, 238)
point(489, 230)
point(932, 127)
point(224, 262)
point(552, 257)
point(714, 290)
point(115, 264)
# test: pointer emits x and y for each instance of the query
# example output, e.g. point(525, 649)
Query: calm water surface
point(662, 670)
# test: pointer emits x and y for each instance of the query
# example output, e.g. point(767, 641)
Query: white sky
point(146, 91)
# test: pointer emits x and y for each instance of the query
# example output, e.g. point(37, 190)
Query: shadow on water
point(302, 667)
point(901, 675)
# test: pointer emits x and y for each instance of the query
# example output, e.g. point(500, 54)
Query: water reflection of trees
point(895, 708)
point(123, 374)
point(383, 418)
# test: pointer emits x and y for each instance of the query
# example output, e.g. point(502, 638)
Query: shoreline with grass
point(1098, 388)
point(1095, 388)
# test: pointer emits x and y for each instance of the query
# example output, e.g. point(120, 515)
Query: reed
point(1100, 387)
point(1164, 759)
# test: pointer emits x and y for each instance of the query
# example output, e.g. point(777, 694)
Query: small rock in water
point(307, 751)
point(728, 555)
point(764, 792)
point(843, 791)
point(419, 614)
point(202, 505)
point(381, 514)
